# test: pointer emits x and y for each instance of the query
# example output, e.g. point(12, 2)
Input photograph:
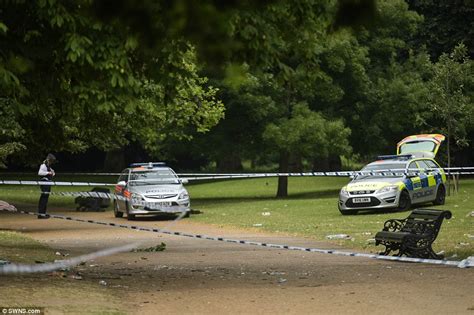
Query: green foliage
point(451, 95)
point(308, 134)
point(446, 23)
point(64, 72)
point(83, 74)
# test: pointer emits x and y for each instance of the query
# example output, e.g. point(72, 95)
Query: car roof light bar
point(148, 165)
point(395, 157)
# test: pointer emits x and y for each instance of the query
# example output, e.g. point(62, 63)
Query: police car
point(149, 189)
point(413, 177)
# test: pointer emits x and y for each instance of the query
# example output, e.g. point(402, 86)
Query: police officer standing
point(46, 174)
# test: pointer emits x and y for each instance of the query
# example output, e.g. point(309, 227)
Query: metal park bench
point(414, 235)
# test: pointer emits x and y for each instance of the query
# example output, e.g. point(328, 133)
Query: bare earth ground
point(199, 276)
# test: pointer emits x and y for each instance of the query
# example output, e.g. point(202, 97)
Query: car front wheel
point(130, 217)
point(405, 202)
point(117, 213)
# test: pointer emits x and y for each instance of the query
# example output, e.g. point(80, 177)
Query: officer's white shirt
point(43, 170)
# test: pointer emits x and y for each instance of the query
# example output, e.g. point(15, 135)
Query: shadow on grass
point(330, 193)
point(401, 213)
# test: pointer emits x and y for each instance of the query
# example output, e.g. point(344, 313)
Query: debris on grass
point(6, 206)
point(282, 280)
point(158, 248)
point(76, 276)
point(338, 237)
point(266, 214)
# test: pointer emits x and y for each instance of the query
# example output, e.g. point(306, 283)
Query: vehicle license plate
point(361, 200)
point(157, 205)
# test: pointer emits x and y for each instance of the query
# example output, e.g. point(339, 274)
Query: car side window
point(413, 166)
point(423, 166)
point(431, 164)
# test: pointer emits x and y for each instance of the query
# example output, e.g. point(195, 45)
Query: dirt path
point(198, 276)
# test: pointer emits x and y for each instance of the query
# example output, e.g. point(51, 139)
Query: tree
point(64, 72)
point(305, 134)
point(292, 68)
point(445, 24)
point(451, 96)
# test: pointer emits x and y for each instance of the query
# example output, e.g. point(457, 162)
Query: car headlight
point(136, 198)
point(388, 189)
point(183, 195)
point(344, 192)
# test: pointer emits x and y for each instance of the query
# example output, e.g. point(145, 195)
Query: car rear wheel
point(405, 202)
point(117, 213)
point(440, 196)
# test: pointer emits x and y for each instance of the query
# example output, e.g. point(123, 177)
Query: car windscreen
point(417, 146)
point(385, 167)
point(153, 177)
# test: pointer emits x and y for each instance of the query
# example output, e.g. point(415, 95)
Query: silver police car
point(150, 189)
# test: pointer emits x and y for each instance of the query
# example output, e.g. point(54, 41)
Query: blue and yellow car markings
point(431, 179)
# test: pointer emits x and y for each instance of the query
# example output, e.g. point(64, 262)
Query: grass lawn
point(17, 247)
point(309, 211)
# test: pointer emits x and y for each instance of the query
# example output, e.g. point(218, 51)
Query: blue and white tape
point(448, 170)
point(234, 176)
point(51, 183)
point(466, 263)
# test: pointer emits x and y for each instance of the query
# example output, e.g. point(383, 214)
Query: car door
point(437, 178)
point(428, 181)
point(425, 145)
point(416, 193)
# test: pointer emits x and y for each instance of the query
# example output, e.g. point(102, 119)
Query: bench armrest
point(393, 225)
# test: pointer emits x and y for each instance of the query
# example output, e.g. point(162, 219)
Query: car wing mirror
point(184, 180)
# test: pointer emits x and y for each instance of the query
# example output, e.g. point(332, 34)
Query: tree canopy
point(288, 83)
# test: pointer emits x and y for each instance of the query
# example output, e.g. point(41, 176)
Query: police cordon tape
point(318, 174)
point(51, 183)
point(466, 263)
point(64, 264)
point(455, 170)
point(71, 262)
point(255, 175)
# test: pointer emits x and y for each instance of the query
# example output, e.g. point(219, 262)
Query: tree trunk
point(283, 180)
point(449, 157)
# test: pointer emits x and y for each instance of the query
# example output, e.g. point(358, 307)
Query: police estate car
point(420, 179)
point(148, 189)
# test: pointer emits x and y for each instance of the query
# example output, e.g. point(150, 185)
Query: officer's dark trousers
point(43, 201)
